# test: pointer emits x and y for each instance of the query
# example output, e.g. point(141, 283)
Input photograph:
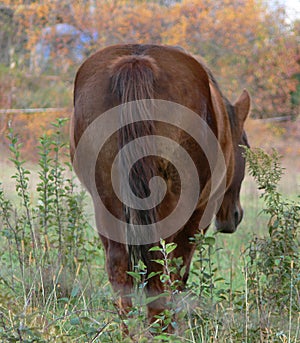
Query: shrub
point(273, 268)
point(53, 286)
point(46, 240)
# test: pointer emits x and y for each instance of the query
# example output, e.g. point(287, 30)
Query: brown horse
point(111, 85)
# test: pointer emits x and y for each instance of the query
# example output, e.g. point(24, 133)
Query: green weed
point(53, 286)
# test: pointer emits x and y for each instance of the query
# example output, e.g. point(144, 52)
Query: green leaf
point(64, 300)
point(75, 291)
point(150, 299)
point(162, 243)
point(75, 321)
point(141, 265)
point(152, 274)
point(135, 275)
point(162, 262)
point(182, 271)
point(210, 241)
point(156, 248)
point(170, 247)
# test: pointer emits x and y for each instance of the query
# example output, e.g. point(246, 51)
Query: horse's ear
point(242, 108)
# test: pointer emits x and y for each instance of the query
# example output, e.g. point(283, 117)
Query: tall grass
point(53, 285)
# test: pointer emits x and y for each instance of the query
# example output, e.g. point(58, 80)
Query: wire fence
point(34, 110)
point(66, 110)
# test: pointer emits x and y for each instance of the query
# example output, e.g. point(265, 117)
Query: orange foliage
point(29, 128)
point(247, 44)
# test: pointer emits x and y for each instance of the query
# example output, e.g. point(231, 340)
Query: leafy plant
point(53, 286)
point(273, 268)
point(48, 238)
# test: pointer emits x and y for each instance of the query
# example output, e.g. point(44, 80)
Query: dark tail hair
point(132, 79)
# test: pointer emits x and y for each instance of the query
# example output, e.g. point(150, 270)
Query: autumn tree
point(247, 44)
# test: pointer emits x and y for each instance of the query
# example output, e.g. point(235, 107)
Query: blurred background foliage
point(250, 44)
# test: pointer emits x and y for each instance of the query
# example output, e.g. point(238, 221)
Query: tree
point(247, 44)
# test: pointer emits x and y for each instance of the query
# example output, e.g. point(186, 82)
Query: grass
point(243, 287)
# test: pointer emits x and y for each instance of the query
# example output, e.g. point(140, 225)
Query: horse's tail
point(132, 79)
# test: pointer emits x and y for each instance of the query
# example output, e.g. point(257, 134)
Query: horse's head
point(230, 213)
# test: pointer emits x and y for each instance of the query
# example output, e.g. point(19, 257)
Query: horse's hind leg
point(185, 247)
point(117, 265)
point(155, 288)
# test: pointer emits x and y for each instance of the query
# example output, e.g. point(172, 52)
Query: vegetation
point(53, 286)
point(247, 43)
